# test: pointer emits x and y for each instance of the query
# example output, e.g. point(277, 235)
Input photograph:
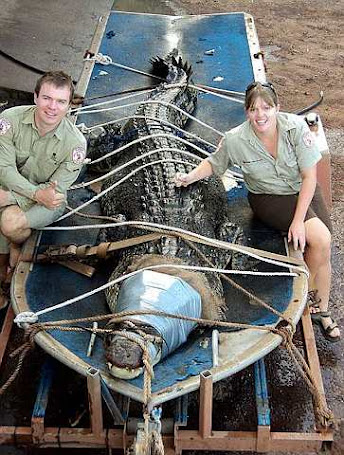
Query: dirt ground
point(304, 53)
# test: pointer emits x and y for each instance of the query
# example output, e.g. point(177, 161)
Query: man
point(41, 155)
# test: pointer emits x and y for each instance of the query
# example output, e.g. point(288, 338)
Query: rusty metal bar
point(206, 404)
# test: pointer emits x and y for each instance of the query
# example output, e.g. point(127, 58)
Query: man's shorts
point(277, 211)
point(38, 217)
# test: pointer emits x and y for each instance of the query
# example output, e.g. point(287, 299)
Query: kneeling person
point(41, 155)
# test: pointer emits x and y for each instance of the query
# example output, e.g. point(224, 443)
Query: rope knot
point(286, 330)
point(325, 417)
point(99, 58)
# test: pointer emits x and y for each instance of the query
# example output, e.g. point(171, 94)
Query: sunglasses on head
point(263, 84)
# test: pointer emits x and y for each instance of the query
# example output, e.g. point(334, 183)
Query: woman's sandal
point(318, 317)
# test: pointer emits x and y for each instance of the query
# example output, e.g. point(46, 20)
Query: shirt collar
point(247, 132)
point(283, 122)
point(29, 119)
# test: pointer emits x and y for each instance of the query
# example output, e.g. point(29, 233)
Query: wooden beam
point(263, 438)
point(311, 350)
point(247, 441)
point(206, 404)
point(6, 331)
point(95, 402)
point(184, 439)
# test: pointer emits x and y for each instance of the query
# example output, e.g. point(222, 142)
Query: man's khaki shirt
point(29, 161)
point(262, 173)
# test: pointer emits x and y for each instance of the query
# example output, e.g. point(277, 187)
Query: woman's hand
point(181, 179)
point(203, 170)
point(297, 235)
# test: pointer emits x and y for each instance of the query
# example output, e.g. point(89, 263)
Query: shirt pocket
point(255, 167)
point(50, 165)
point(42, 170)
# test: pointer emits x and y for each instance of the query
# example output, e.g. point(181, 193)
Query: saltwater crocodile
point(150, 195)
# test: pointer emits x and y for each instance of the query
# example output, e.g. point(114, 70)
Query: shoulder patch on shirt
point(308, 139)
point(78, 155)
point(5, 125)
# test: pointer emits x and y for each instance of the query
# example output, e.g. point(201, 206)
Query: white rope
point(145, 138)
point(107, 60)
point(114, 171)
point(87, 129)
point(219, 95)
point(214, 242)
point(144, 91)
point(153, 163)
point(142, 103)
point(234, 174)
point(175, 266)
point(79, 110)
point(217, 90)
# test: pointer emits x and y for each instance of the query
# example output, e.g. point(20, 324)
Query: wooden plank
point(184, 439)
point(6, 331)
point(311, 350)
point(206, 404)
point(263, 438)
point(95, 402)
point(88, 65)
point(241, 440)
point(78, 267)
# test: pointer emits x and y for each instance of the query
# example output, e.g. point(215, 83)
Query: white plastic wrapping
point(150, 290)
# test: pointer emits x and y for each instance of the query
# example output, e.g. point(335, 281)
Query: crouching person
point(41, 155)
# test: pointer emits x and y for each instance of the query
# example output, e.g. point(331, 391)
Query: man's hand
point(4, 198)
point(49, 197)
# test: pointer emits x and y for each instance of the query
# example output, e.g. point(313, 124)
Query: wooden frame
point(179, 438)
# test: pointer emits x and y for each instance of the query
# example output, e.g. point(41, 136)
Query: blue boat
point(222, 51)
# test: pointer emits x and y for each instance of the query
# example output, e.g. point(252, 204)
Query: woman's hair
point(264, 90)
point(57, 78)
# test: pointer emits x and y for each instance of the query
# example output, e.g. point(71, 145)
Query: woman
point(277, 155)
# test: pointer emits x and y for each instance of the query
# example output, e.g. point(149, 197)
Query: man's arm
point(11, 178)
point(9, 174)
